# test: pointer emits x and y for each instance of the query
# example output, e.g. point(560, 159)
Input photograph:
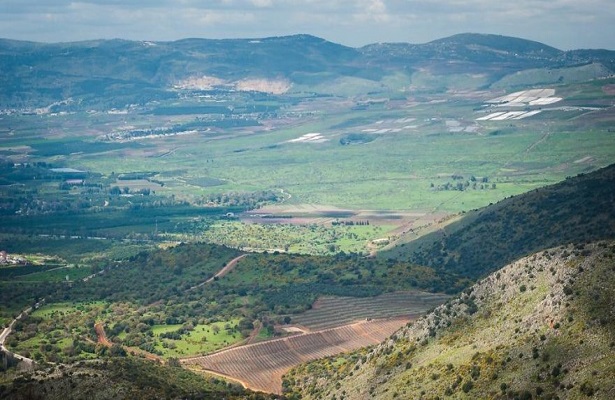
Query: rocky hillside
point(579, 209)
point(542, 327)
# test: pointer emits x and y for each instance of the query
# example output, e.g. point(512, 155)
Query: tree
point(174, 362)
point(117, 351)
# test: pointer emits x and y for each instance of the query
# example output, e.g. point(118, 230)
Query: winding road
point(7, 331)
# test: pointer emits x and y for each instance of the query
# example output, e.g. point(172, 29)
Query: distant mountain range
point(105, 73)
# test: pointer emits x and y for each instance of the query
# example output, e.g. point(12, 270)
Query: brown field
point(609, 89)
point(303, 214)
point(331, 311)
point(260, 366)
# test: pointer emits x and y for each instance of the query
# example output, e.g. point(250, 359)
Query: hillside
point(542, 327)
point(471, 48)
point(577, 210)
point(121, 378)
point(101, 74)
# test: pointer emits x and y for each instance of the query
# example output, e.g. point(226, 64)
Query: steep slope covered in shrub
point(542, 327)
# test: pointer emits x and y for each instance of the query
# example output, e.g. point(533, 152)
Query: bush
point(467, 386)
point(587, 389)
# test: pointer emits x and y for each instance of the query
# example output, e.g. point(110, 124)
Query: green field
point(303, 238)
point(202, 339)
point(427, 154)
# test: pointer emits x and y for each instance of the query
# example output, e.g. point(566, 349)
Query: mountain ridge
point(97, 71)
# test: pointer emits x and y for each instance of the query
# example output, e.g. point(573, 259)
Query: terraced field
point(260, 366)
point(330, 311)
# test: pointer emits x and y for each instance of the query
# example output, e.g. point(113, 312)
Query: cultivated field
point(418, 155)
point(331, 311)
point(261, 366)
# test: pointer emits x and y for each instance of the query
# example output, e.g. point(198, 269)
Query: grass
point(305, 238)
point(47, 311)
point(158, 329)
point(414, 150)
point(202, 340)
point(395, 169)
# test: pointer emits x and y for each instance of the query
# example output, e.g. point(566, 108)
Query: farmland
point(261, 366)
point(329, 311)
point(175, 302)
point(433, 155)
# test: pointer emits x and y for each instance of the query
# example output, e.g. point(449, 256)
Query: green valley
point(232, 218)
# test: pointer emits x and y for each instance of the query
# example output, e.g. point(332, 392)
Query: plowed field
point(260, 366)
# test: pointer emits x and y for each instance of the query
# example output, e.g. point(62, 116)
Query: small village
point(6, 258)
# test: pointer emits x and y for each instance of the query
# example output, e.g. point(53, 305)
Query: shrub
point(587, 389)
point(525, 395)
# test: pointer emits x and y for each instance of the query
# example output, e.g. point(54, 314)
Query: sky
point(565, 24)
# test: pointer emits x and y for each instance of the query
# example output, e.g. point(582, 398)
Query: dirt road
point(102, 335)
point(227, 268)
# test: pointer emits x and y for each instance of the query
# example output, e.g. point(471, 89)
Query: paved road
point(7, 331)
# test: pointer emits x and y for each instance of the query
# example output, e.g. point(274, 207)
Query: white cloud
point(262, 3)
point(372, 10)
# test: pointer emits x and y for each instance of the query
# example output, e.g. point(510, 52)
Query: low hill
point(542, 327)
point(121, 378)
point(577, 210)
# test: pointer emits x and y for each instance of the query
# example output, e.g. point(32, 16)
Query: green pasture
point(158, 329)
point(304, 238)
point(202, 340)
point(48, 311)
point(392, 172)
point(412, 151)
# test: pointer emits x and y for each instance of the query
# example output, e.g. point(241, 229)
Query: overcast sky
point(565, 24)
